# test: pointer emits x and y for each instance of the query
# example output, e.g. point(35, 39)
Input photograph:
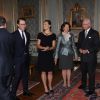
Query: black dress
point(45, 58)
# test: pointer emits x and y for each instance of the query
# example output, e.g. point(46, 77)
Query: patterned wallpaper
point(32, 23)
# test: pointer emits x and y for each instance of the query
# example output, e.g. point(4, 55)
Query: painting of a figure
point(76, 19)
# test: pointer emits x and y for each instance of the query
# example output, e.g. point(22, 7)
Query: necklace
point(47, 33)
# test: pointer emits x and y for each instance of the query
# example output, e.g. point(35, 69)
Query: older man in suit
point(88, 45)
point(6, 61)
point(21, 58)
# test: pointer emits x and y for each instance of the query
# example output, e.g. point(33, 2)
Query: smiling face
point(46, 26)
point(66, 28)
point(86, 24)
point(22, 25)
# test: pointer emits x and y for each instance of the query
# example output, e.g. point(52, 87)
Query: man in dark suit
point(21, 58)
point(6, 60)
point(88, 45)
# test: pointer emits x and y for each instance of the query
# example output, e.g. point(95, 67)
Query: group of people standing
point(63, 51)
point(14, 54)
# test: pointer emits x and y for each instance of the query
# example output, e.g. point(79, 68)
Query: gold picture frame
point(28, 11)
point(77, 16)
point(76, 19)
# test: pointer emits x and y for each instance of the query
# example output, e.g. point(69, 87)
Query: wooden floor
point(39, 90)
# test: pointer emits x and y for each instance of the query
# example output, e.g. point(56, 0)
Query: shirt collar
point(87, 30)
point(20, 30)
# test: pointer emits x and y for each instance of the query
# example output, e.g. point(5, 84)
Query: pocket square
point(89, 37)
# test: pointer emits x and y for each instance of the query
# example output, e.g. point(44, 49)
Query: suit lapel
point(19, 35)
point(89, 33)
point(84, 34)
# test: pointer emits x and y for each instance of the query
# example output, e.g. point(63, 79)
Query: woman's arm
point(74, 47)
point(57, 47)
point(53, 45)
point(41, 47)
point(38, 44)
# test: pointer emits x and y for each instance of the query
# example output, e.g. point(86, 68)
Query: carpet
point(59, 90)
point(73, 93)
point(77, 94)
point(31, 84)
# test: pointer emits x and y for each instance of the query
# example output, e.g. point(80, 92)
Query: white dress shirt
point(86, 32)
point(20, 31)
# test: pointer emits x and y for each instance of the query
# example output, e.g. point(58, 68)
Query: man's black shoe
point(90, 93)
point(15, 98)
point(81, 87)
point(85, 89)
point(27, 93)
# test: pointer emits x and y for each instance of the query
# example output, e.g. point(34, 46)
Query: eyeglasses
point(22, 24)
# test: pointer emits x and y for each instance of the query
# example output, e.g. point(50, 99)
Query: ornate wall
point(32, 23)
point(87, 4)
point(84, 4)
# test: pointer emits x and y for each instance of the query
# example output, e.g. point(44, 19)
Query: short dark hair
point(48, 21)
point(63, 25)
point(18, 20)
point(2, 21)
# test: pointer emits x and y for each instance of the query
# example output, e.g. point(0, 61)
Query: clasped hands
point(82, 51)
point(45, 48)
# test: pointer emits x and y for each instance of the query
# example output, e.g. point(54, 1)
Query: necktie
point(86, 33)
point(23, 37)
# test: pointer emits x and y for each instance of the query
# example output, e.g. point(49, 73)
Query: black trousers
point(88, 68)
point(21, 73)
point(4, 89)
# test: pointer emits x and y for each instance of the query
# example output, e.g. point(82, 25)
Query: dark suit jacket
point(91, 43)
point(6, 51)
point(19, 46)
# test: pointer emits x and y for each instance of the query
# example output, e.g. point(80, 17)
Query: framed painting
point(28, 11)
point(76, 19)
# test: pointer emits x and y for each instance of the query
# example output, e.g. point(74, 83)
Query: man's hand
point(55, 61)
point(82, 51)
point(85, 51)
